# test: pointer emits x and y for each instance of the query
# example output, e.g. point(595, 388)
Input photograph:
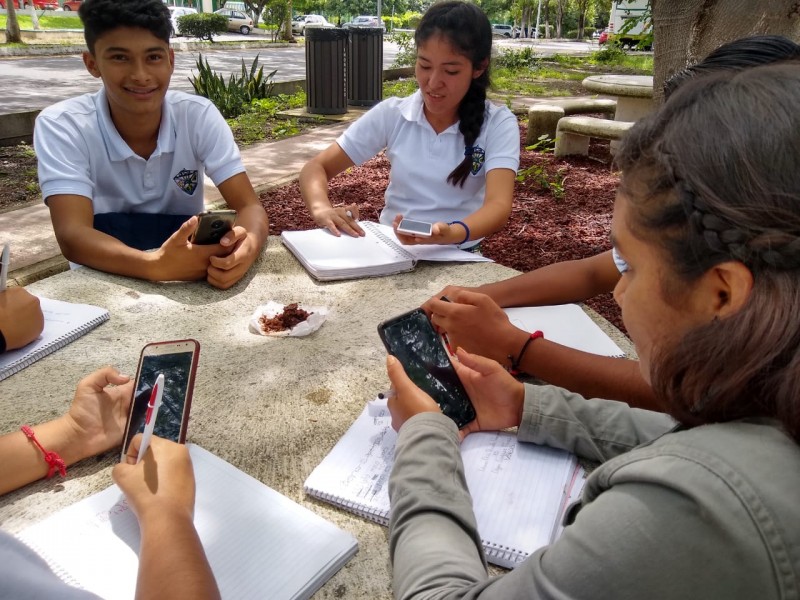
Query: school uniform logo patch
point(186, 180)
point(478, 158)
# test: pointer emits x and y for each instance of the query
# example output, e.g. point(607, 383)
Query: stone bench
point(543, 118)
point(573, 133)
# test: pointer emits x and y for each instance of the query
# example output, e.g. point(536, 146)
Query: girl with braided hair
point(454, 154)
point(700, 502)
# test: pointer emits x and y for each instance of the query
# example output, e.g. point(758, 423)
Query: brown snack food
point(291, 316)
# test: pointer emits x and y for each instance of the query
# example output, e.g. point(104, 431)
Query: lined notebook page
point(565, 324)
point(64, 322)
point(517, 489)
point(259, 543)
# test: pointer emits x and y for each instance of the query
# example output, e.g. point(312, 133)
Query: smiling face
point(443, 76)
point(135, 67)
point(647, 282)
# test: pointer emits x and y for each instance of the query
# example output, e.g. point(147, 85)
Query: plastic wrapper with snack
point(287, 320)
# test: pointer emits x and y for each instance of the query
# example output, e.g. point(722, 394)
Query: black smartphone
point(212, 225)
point(411, 338)
point(177, 360)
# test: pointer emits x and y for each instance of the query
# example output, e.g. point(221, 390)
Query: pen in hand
point(150, 417)
point(4, 262)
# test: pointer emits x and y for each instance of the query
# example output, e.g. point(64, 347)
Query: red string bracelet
point(514, 369)
point(55, 462)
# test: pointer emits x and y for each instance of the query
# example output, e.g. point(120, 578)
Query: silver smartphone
point(417, 228)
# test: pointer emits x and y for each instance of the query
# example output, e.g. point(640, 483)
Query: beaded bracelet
point(55, 462)
point(514, 369)
point(465, 226)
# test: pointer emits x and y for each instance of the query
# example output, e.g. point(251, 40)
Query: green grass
point(71, 21)
point(399, 87)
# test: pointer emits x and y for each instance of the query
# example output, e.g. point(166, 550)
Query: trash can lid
point(366, 31)
point(325, 34)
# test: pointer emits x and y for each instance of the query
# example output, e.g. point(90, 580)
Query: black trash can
point(326, 55)
point(365, 66)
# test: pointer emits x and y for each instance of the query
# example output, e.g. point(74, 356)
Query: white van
point(178, 11)
point(623, 11)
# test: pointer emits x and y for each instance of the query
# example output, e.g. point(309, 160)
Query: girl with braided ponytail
point(700, 502)
point(454, 154)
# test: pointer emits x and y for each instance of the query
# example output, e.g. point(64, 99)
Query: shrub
point(233, 97)
point(516, 59)
point(407, 53)
point(202, 25)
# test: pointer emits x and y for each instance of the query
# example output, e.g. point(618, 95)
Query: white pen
point(150, 416)
point(387, 394)
point(4, 262)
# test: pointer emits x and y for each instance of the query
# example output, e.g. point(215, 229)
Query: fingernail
point(390, 360)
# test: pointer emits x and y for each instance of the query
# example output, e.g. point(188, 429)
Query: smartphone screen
point(415, 227)
point(177, 361)
point(412, 339)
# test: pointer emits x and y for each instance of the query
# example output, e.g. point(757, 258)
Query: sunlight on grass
point(399, 87)
point(71, 21)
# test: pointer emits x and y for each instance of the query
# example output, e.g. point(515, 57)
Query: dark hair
point(719, 165)
point(736, 55)
point(468, 30)
point(101, 16)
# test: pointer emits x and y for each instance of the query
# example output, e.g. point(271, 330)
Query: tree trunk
point(287, 24)
point(685, 32)
point(13, 35)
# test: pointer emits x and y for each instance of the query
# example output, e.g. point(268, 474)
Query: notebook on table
point(565, 324)
point(520, 491)
point(259, 543)
point(327, 257)
point(64, 322)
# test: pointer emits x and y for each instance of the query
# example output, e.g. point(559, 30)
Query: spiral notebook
point(259, 543)
point(327, 257)
point(520, 491)
point(64, 322)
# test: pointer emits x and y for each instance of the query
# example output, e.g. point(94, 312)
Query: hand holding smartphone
point(411, 338)
point(212, 225)
point(177, 362)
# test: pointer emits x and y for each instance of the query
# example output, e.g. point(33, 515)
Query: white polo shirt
point(80, 152)
point(422, 159)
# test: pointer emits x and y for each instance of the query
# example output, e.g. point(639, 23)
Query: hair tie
point(469, 150)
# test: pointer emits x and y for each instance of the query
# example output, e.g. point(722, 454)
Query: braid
point(471, 113)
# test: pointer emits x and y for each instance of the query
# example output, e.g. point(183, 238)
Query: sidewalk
point(35, 253)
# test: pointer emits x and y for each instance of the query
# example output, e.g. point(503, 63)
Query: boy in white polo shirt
point(122, 169)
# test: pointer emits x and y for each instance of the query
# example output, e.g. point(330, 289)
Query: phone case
point(212, 225)
point(194, 350)
point(446, 388)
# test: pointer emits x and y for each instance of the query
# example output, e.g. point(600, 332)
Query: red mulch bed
point(543, 229)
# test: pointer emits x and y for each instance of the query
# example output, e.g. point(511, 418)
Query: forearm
point(589, 375)
point(433, 538)
point(172, 563)
point(22, 462)
point(314, 187)
point(92, 248)
point(254, 219)
point(594, 429)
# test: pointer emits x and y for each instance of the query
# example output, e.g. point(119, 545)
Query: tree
point(685, 32)
point(13, 35)
point(256, 7)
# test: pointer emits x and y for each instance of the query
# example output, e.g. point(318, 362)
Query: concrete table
point(634, 93)
point(272, 407)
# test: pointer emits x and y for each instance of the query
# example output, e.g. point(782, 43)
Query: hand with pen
point(21, 319)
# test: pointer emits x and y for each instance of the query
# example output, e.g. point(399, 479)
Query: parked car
point(237, 20)
point(175, 12)
point(365, 21)
point(37, 4)
point(300, 22)
point(72, 4)
point(508, 31)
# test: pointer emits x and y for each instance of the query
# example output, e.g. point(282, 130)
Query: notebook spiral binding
point(59, 571)
point(388, 241)
point(506, 553)
point(373, 514)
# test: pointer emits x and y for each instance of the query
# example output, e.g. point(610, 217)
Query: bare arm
point(248, 236)
point(95, 423)
point(21, 319)
point(476, 323)
point(314, 178)
point(161, 492)
point(80, 242)
point(559, 283)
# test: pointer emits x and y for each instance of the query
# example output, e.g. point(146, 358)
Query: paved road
point(36, 82)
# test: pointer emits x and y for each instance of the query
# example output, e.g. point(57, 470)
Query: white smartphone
point(418, 228)
point(177, 361)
